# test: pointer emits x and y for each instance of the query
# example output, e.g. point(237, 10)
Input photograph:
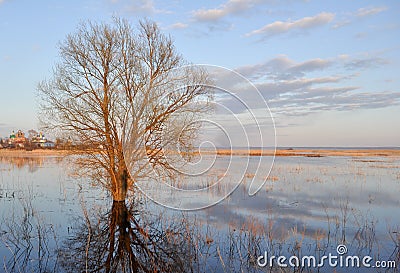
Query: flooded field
point(342, 206)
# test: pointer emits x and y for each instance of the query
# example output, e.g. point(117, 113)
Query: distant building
point(48, 144)
point(17, 139)
point(40, 141)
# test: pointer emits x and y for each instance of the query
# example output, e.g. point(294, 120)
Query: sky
point(327, 69)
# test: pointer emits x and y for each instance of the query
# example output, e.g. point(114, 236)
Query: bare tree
point(119, 88)
point(32, 133)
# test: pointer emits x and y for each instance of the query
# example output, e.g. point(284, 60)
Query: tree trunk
point(121, 188)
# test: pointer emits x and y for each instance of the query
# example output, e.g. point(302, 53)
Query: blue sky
point(328, 69)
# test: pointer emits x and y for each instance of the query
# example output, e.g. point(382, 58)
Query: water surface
point(54, 222)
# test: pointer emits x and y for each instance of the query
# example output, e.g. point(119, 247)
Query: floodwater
point(52, 221)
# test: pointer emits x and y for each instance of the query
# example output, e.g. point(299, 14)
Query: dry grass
point(34, 153)
point(273, 178)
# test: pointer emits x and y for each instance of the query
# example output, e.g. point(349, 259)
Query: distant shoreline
point(313, 152)
point(309, 152)
point(33, 153)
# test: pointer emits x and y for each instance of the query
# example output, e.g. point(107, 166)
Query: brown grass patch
point(33, 153)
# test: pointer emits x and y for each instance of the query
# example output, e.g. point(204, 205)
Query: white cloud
point(146, 6)
point(281, 67)
point(339, 100)
point(307, 66)
point(138, 6)
point(7, 58)
point(284, 68)
point(279, 90)
point(228, 8)
point(342, 23)
point(280, 27)
point(208, 15)
point(290, 90)
point(360, 13)
point(178, 25)
point(364, 63)
point(369, 11)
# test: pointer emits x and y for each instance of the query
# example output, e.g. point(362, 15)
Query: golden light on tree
point(116, 85)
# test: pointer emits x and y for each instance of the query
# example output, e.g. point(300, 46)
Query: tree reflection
point(122, 240)
point(129, 239)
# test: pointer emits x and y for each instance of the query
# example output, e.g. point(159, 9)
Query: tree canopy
point(127, 90)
